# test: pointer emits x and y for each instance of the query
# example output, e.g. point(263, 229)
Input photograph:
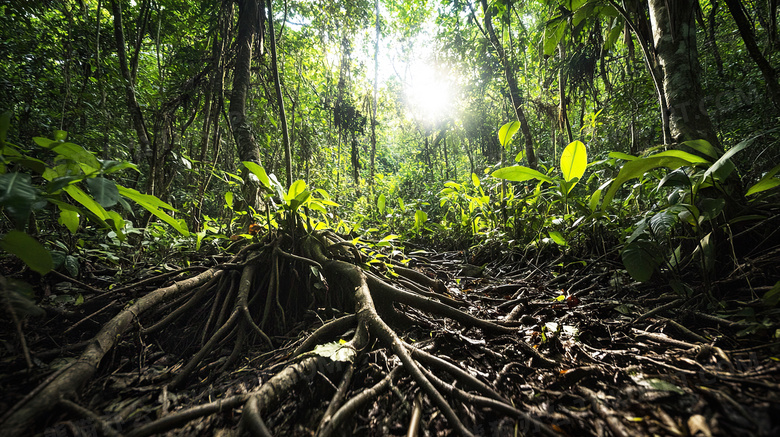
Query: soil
point(590, 353)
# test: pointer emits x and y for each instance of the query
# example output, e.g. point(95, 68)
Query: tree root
point(224, 307)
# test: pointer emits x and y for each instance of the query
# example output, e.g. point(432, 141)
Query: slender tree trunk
point(563, 112)
point(770, 77)
point(643, 32)
point(280, 99)
point(376, 88)
point(248, 20)
point(674, 36)
point(514, 91)
point(711, 41)
point(132, 103)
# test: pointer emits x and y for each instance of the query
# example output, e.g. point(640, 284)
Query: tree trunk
point(376, 88)
point(278, 86)
point(735, 7)
point(132, 103)
point(248, 17)
point(674, 37)
point(514, 90)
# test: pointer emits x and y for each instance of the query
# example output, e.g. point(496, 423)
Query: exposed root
point(276, 288)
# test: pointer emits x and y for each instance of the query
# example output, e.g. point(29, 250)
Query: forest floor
point(619, 359)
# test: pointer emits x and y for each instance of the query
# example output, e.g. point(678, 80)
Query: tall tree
point(250, 22)
point(674, 37)
point(279, 98)
point(511, 78)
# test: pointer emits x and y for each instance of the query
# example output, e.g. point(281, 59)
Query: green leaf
point(258, 171)
point(637, 168)
point(519, 173)
point(17, 196)
point(552, 35)
point(662, 222)
point(72, 266)
point(28, 250)
point(475, 180)
point(507, 131)
point(110, 166)
point(420, 217)
point(104, 191)
point(766, 183)
point(640, 260)
point(574, 160)
point(557, 238)
point(153, 205)
point(74, 152)
point(621, 155)
point(70, 219)
point(702, 146)
point(229, 200)
point(723, 166)
point(88, 202)
point(772, 297)
point(381, 203)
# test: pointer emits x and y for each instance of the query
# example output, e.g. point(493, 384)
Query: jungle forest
point(389, 218)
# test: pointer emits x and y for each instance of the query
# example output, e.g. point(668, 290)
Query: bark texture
point(674, 38)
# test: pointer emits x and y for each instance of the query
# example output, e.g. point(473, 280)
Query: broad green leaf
point(87, 160)
point(702, 146)
point(229, 200)
point(507, 131)
point(557, 238)
point(17, 196)
point(258, 171)
point(621, 155)
point(640, 260)
point(153, 205)
point(88, 202)
point(420, 217)
point(574, 160)
point(475, 180)
point(381, 203)
point(723, 166)
point(28, 250)
point(70, 219)
point(690, 157)
point(104, 191)
point(637, 168)
point(296, 188)
point(44, 142)
point(552, 35)
point(519, 173)
point(110, 166)
point(662, 222)
point(766, 183)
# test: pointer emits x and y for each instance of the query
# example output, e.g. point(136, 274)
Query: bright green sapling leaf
point(767, 182)
point(506, 132)
point(574, 160)
point(258, 171)
point(519, 173)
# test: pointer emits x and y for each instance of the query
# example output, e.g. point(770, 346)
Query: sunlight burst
point(429, 92)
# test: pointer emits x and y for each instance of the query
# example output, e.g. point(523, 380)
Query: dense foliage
point(116, 138)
